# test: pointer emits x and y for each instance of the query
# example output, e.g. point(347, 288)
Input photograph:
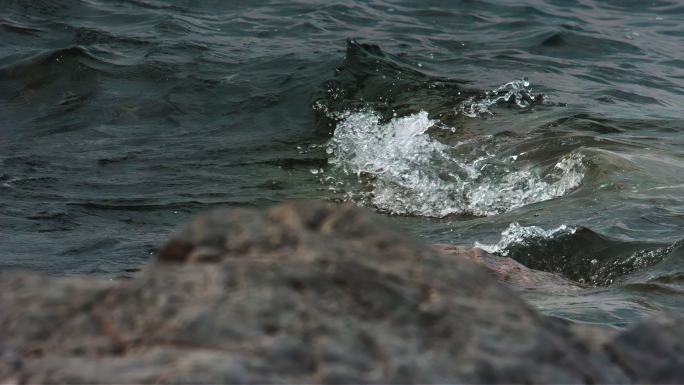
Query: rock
point(652, 350)
point(512, 272)
point(305, 292)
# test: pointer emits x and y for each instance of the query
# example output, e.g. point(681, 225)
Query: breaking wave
point(404, 170)
point(581, 254)
point(517, 235)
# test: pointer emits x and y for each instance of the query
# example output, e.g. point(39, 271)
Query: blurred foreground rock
point(311, 293)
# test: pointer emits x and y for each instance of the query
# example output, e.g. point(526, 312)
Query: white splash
point(517, 91)
point(406, 171)
point(516, 234)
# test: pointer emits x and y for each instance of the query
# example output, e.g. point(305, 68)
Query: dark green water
point(558, 123)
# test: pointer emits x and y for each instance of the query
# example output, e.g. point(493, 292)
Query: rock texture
point(512, 272)
point(308, 293)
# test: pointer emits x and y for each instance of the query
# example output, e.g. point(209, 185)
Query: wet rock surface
point(512, 272)
point(308, 292)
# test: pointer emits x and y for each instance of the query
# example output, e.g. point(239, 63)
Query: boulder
point(311, 293)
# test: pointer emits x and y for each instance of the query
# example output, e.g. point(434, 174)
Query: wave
point(56, 59)
point(583, 255)
point(407, 171)
point(372, 79)
point(517, 235)
point(398, 131)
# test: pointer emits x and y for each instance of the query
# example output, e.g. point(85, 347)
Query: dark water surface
point(119, 120)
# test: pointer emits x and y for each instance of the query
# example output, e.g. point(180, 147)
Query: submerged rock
point(309, 293)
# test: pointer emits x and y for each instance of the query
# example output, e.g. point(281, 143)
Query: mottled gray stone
point(652, 350)
point(309, 293)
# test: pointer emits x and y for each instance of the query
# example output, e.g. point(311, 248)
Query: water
point(548, 131)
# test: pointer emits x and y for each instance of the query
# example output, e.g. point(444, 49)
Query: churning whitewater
point(404, 170)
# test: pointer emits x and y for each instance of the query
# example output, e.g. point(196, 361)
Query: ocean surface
point(549, 131)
